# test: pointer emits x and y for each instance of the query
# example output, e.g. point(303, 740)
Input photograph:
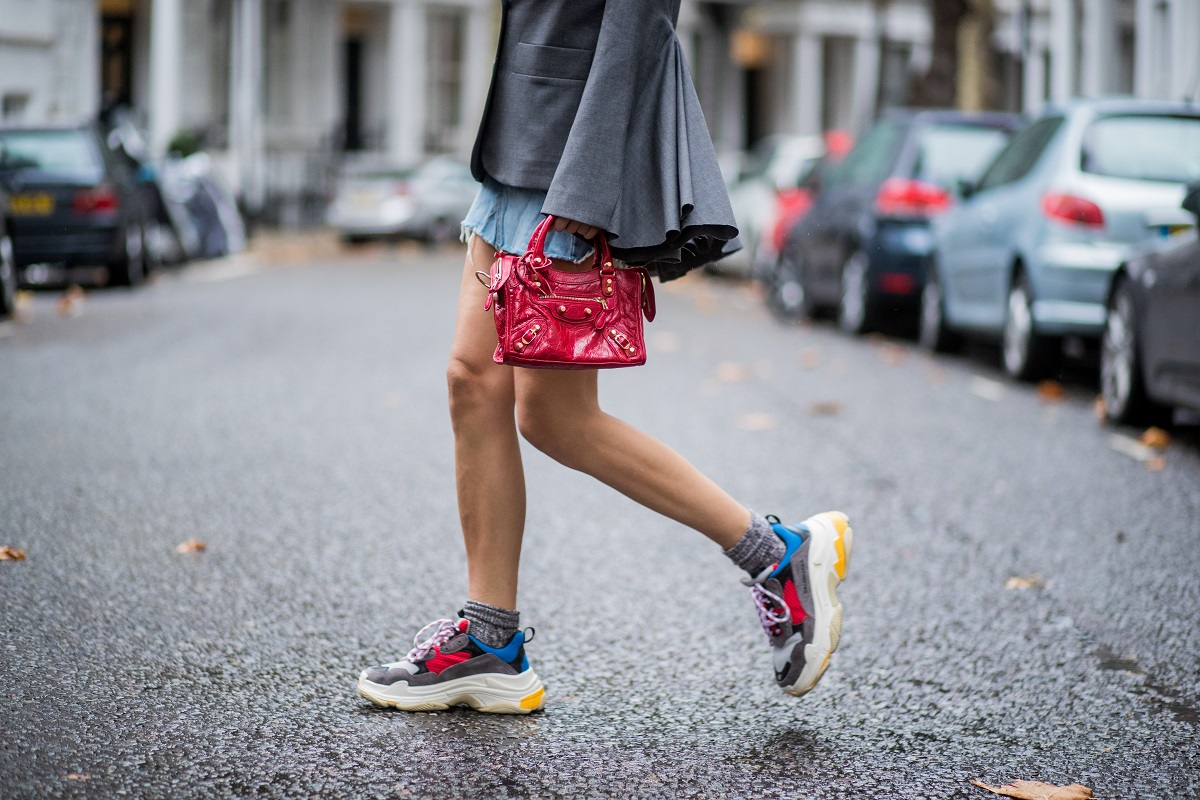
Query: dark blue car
point(863, 248)
point(1150, 355)
point(73, 202)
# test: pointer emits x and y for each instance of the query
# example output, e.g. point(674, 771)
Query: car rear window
point(947, 154)
point(1143, 147)
point(872, 158)
point(69, 152)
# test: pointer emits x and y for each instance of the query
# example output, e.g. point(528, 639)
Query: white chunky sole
point(828, 561)
point(492, 693)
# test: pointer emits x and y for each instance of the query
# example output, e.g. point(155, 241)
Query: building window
point(278, 62)
point(444, 87)
point(116, 62)
point(12, 107)
point(1160, 49)
point(837, 91)
point(895, 73)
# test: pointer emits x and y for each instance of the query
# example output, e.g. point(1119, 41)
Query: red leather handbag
point(551, 319)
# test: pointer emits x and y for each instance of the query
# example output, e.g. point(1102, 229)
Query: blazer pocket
point(547, 61)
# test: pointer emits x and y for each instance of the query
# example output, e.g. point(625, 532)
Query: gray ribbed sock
point(759, 547)
point(493, 626)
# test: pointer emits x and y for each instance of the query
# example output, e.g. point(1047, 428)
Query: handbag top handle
point(536, 253)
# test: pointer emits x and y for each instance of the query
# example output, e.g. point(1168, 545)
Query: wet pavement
point(1022, 603)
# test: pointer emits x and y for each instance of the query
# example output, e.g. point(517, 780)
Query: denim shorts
point(505, 217)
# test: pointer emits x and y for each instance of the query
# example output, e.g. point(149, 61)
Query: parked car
point(775, 164)
point(863, 247)
point(1150, 352)
point(1030, 255)
point(73, 203)
point(8, 266)
point(425, 202)
point(793, 202)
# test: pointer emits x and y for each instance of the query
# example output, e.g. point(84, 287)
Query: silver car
point(1030, 254)
point(777, 163)
point(425, 202)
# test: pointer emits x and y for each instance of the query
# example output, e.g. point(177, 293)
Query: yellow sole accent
point(841, 524)
point(533, 701)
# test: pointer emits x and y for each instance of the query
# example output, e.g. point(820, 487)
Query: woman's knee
point(559, 431)
point(475, 387)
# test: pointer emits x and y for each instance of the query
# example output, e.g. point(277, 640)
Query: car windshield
point(1144, 148)
point(50, 151)
point(948, 154)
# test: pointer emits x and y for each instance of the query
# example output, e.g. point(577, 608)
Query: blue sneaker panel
point(792, 540)
point(508, 653)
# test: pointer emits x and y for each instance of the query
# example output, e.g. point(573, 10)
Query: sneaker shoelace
point(767, 604)
point(443, 631)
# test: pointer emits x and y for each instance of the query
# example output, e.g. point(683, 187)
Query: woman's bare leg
point(559, 413)
point(487, 456)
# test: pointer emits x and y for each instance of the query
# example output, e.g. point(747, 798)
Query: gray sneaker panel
point(479, 665)
point(384, 676)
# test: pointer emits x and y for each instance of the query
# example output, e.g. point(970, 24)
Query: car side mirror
point(966, 188)
point(1191, 200)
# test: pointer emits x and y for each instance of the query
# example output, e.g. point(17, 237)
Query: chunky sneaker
point(797, 599)
point(451, 668)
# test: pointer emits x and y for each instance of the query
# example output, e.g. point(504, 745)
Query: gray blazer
point(592, 102)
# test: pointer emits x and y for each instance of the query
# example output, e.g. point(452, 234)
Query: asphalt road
point(291, 417)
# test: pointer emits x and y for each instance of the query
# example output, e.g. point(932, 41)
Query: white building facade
point(280, 90)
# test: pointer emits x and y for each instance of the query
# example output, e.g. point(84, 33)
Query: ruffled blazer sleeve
point(639, 161)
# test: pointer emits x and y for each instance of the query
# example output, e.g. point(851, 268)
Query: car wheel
point(8, 277)
point(1122, 388)
point(131, 270)
point(934, 334)
point(855, 314)
point(787, 297)
point(1027, 354)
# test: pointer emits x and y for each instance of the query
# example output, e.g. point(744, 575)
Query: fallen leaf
point(11, 554)
point(827, 408)
point(810, 357)
point(1034, 790)
point(986, 389)
point(191, 546)
point(70, 304)
point(732, 372)
point(1051, 392)
point(756, 422)
point(1156, 438)
point(75, 776)
point(1099, 409)
point(1025, 584)
point(1156, 464)
point(1128, 446)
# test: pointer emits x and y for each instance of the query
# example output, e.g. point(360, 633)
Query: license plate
point(39, 204)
